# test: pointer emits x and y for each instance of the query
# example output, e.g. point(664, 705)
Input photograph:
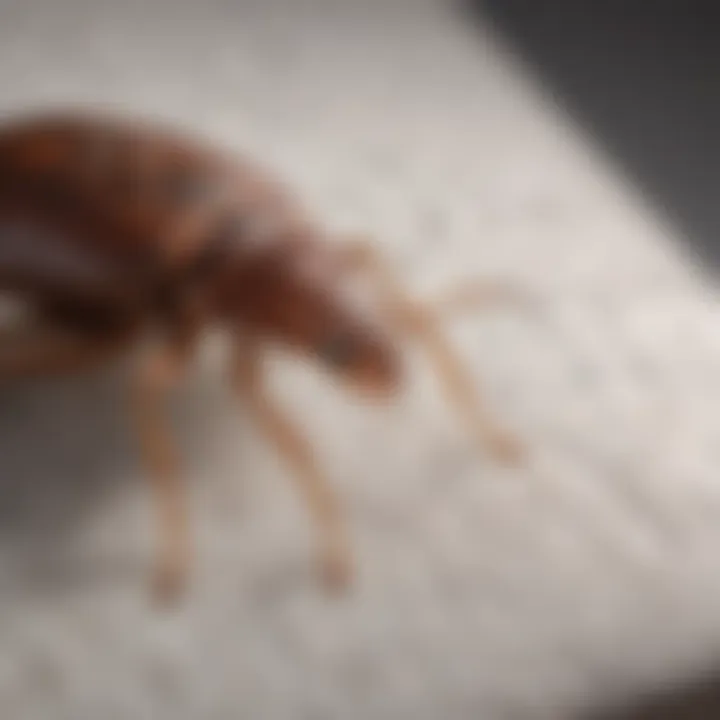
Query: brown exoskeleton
point(115, 230)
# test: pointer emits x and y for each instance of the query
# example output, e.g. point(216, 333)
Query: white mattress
point(482, 592)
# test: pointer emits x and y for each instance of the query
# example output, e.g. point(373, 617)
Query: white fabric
point(483, 592)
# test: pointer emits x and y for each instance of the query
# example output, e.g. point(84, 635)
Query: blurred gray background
point(466, 139)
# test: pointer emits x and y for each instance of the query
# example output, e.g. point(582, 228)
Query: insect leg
point(423, 324)
point(458, 387)
point(359, 255)
point(296, 451)
point(483, 295)
point(156, 376)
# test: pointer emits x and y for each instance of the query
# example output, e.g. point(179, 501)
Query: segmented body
point(122, 215)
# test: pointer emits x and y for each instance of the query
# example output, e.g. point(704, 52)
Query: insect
point(122, 233)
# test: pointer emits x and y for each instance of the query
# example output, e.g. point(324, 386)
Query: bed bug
point(119, 232)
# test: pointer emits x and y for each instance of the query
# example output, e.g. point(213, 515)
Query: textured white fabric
point(483, 592)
